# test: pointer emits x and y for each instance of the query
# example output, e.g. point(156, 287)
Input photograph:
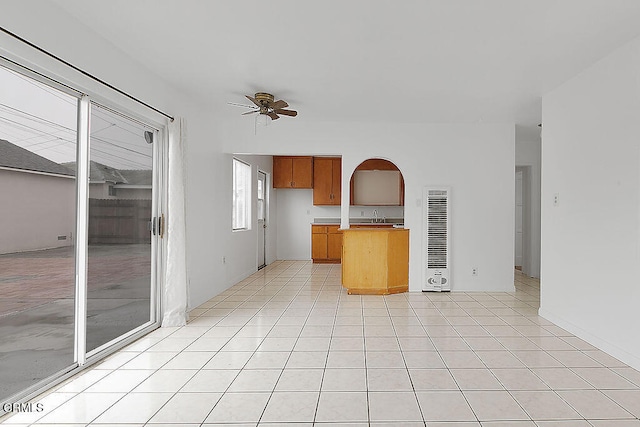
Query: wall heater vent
point(436, 240)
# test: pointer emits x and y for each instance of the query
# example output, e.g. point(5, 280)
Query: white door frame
point(262, 222)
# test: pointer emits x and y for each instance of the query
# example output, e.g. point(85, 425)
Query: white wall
point(476, 161)
point(591, 240)
point(528, 159)
point(295, 214)
point(74, 41)
point(210, 238)
point(35, 210)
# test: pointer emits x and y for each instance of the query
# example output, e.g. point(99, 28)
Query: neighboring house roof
point(137, 177)
point(103, 173)
point(15, 157)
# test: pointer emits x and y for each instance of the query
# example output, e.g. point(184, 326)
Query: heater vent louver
point(436, 240)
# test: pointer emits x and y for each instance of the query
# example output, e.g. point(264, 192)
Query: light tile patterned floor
point(288, 347)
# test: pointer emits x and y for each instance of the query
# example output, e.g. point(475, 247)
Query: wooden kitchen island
point(375, 261)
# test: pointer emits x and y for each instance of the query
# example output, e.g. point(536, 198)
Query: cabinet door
point(282, 172)
point(318, 246)
point(334, 245)
point(336, 190)
point(322, 177)
point(302, 172)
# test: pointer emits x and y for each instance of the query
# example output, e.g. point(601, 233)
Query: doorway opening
point(522, 232)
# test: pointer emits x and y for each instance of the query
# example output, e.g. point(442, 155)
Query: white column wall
point(590, 240)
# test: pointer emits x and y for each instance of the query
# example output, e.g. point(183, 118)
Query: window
point(261, 196)
point(241, 195)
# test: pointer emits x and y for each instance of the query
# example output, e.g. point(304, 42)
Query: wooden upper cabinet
point(282, 172)
point(292, 172)
point(327, 180)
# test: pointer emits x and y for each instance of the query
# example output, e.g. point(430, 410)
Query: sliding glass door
point(120, 211)
point(79, 231)
point(37, 232)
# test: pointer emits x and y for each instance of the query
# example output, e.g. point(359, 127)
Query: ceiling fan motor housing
point(264, 98)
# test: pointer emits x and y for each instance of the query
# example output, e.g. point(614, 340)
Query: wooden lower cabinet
point(326, 244)
point(334, 245)
point(375, 261)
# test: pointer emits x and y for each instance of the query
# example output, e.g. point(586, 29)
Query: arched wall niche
point(375, 164)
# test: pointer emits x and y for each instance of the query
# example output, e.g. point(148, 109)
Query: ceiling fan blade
point(235, 104)
point(279, 104)
point(273, 116)
point(250, 112)
point(290, 113)
point(255, 101)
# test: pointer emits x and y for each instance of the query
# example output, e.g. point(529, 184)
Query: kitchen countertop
point(357, 220)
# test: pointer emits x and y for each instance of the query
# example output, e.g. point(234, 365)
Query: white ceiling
point(358, 60)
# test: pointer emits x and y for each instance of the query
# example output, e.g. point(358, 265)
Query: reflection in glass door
point(119, 235)
point(37, 232)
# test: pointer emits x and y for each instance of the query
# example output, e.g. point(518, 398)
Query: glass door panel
point(120, 209)
point(37, 232)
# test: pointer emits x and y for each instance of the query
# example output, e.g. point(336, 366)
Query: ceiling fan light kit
point(263, 120)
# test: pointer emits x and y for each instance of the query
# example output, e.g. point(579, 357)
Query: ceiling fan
point(265, 104)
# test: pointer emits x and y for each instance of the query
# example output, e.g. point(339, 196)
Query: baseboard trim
point(602, 344)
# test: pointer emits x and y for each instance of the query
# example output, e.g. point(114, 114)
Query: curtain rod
point(91, 76)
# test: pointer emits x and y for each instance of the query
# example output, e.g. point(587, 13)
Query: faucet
point(375, 215)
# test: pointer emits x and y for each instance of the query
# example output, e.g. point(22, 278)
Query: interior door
point(262, 217)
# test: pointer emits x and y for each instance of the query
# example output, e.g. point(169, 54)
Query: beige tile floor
point(288, 347)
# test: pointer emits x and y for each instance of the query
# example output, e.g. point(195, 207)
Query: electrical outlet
point(556, 199)
point(361, 213)
point(224, 259)
point(474, 271)
point(308, 211)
